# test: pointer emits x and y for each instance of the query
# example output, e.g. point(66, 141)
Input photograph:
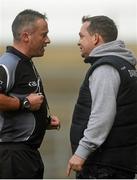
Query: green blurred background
point(62, 70)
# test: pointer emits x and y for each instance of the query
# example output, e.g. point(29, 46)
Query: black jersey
point(19, 77)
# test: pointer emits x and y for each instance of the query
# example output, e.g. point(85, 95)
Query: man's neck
point(22, 49)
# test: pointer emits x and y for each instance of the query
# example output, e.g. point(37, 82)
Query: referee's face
point(38, 39)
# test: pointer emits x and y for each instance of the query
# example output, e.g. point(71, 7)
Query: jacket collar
point(91, 59)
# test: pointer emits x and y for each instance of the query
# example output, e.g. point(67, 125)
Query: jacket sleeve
point(103, 84)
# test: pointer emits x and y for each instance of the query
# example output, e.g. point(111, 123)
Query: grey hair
point(25, 18)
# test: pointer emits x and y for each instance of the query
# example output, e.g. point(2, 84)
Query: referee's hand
point(35, 100)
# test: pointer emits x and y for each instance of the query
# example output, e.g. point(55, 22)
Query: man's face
point(86, 41)
point(38, 39)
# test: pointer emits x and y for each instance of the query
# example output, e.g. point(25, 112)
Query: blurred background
point(62, 69)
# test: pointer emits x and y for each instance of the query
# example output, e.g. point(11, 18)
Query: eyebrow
point(45, 33)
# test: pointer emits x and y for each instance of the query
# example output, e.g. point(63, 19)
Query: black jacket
point(120, 148)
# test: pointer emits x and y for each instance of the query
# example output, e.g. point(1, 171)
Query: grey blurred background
point(62, 68)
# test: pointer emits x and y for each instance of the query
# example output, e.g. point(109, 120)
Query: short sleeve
point(3, 79)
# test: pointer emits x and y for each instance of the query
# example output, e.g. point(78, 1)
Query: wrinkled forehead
point(37, 24)
point(41, 22)
point(84, 28)
point(85, 25)
point(41, 25)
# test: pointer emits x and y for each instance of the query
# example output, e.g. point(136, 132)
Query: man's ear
point(96, 38)
point(25, 36)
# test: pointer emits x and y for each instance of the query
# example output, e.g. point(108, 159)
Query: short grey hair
point(25, 18)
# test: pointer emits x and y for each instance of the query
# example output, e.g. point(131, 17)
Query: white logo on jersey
point(32, 84)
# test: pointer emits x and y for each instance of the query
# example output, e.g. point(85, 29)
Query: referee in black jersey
point(23, 105)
